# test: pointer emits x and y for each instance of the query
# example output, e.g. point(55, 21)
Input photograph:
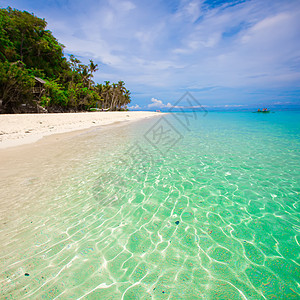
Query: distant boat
point(265, 110)
point(261, 111)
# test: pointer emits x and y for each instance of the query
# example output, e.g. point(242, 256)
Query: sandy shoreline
point(20, 129)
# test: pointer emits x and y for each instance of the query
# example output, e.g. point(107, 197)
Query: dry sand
point(20, 129)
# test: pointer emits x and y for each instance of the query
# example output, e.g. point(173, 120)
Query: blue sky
point(232, 54)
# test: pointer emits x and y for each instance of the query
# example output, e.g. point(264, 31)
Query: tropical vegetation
point(36, 76)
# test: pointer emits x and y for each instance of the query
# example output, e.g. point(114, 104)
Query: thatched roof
point(40, 80)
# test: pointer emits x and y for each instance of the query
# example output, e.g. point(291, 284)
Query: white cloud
point(234, 105)
point(158, 104)
point(134, 107)
point(126, 5)
point(282, 103)
point(192, 10)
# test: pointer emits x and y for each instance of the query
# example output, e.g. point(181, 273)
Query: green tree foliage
point(29, 50)
point(16, 86)
point(56, 96)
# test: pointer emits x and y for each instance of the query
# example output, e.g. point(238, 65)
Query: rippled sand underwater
point(212, 213)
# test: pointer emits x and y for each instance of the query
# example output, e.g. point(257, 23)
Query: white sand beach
point(20, 129)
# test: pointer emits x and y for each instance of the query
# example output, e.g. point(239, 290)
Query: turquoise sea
point(184, 206)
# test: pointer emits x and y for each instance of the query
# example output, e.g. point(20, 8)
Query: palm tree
point(106, 93)
point(92, 69)
point(114, 96)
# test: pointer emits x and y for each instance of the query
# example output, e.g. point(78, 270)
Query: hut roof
point(40, 80)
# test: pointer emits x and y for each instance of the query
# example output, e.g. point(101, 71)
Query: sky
point(234, 54)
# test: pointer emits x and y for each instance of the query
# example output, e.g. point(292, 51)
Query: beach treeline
point(35, 76)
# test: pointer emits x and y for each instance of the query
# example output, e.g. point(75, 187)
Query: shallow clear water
point(159, 209)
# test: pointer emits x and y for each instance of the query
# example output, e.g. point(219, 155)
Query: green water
point(207, 210)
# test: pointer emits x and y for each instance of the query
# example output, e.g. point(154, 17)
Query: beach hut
point(39, 87)
point(38, 90)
